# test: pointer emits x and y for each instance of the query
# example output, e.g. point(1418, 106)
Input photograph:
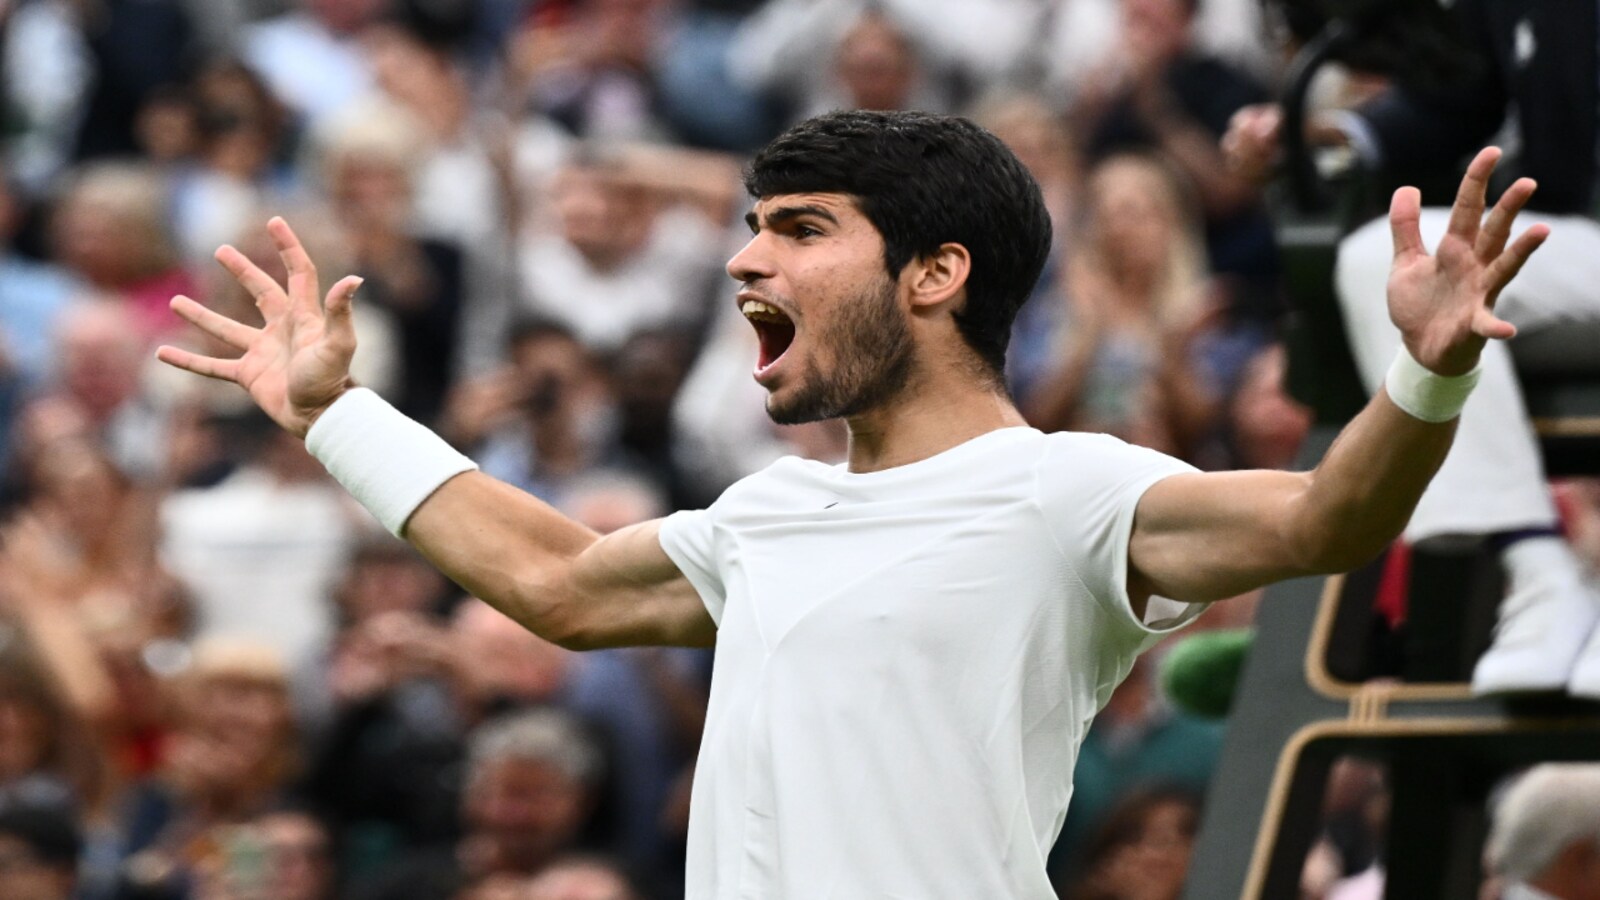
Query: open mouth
point(774, 329)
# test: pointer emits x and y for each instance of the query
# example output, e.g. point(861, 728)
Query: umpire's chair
point(1317, 685)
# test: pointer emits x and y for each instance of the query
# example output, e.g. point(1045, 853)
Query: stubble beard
point(872, 351)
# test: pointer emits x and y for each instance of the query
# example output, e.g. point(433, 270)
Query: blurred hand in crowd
point(1251, 144)
point(386, 649)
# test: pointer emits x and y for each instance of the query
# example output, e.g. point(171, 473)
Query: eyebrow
point(783, 214)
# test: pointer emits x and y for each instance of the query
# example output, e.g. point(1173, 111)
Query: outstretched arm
point(1203, 537)
point(553, 575)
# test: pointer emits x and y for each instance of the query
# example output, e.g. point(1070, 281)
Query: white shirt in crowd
point(907, 661)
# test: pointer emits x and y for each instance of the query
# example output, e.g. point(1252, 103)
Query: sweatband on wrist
point(1426, 395)
point(389, 462)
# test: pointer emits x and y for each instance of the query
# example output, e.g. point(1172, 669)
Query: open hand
point(1444, 304)
point(298, 362)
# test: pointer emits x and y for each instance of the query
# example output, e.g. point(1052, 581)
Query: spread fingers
point(235, 334)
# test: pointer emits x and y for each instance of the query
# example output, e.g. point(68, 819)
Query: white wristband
point(1426, 395)
point(386, 460)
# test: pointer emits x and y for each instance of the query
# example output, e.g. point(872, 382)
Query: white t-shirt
point(907, 661)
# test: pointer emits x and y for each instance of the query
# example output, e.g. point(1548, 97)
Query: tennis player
point(911, 646)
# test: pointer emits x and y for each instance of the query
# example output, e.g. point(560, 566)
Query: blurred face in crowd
point(240, 120)
point(605, 220)
point(1156, 31)
point(1152, 860)
point(1268, 425)
point(393, 583)
point(110, 226)
point(299, 862)
point(241, 705)
point(1039, 139)
point(370, 191)
point(834, 340)
point(554, 373)
point(645, 375)
point(509, 661)
point(877, 65)
point(79, 486)
point(101, 353)
point(1134, 216)
point(24, 876)
point(530, 809)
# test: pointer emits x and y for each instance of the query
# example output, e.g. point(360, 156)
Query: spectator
point(369, 165)
point(531, 785)
point(242, 141)
point(589, 66)
point(299, 855)
point(646, 375)
point(47, 69)
point(312, 56)
point(261, 550)
point(1265, 426)
point(1143, 848)
point(462, 178)
point(877, 65)
point(1037, 133)
point(96, 392)
point(230, 757)
point(110, 230)
point(778, 47)
point(698, 95)
point(382, 576)
point(1545, 840)
point(1132, 361)
point(282, 854)
point(620, 257)
point(1162, 96)
point(541, 421)
point(134, 47)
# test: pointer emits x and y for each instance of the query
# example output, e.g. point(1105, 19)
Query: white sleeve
point(689, 538)
point(1089, 488)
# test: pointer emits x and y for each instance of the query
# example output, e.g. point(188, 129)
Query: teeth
point(755, 309)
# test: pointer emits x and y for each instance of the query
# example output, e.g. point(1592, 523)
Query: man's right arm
point(556, 577)
point(553, 575)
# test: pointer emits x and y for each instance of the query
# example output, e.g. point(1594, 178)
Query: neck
point(928, 418)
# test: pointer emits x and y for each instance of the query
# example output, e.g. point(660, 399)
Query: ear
point(940, 278)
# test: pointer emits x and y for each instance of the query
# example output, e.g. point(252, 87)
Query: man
point(1539, 59)
point(1545, 839)
point(909, 647)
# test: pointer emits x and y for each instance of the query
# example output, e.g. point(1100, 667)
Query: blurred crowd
point(221, 679)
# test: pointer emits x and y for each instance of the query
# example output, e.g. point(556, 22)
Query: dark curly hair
point(924, 180)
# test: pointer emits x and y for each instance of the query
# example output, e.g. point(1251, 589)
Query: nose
point(753, 262)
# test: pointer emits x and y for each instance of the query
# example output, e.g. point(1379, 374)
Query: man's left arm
point(1203, 537)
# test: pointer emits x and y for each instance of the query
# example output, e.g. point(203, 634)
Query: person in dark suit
point(1540, 58)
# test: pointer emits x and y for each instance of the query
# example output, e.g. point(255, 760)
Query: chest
point(918, 579)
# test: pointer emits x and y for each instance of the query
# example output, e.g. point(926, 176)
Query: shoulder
point(1095, 448)
point(1082, 470)
point(784, 478)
